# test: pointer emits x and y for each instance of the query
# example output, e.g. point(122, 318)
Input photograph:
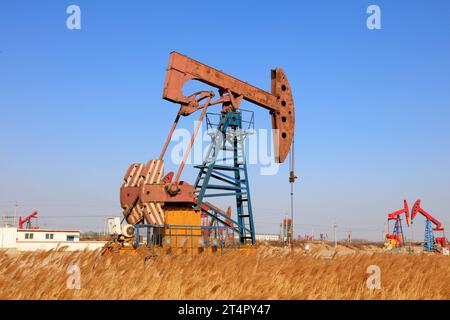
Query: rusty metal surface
point(158, 192)
point(279, 102)
point(145, 190)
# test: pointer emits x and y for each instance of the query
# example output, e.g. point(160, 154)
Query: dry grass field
point(264, 273)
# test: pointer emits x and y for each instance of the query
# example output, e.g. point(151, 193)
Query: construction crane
point(26, 223)
point(431, 243)
point(397, 238)
point(174, 208)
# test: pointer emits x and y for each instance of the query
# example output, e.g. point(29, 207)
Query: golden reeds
point(262, 274)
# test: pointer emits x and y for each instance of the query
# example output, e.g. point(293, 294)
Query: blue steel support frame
point(231, 178)
point(429, 244)
point(398, 229)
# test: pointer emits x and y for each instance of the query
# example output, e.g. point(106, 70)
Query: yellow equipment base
point(183, 232)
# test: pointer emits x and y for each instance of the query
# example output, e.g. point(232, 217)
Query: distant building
point(44, 235)
point(267, 237)
point(44, 239)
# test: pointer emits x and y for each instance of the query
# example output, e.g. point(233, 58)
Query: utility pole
point(292, 178)
point(334, 230)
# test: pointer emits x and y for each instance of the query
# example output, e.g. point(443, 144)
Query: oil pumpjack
point(174, 209)
point(396, 239)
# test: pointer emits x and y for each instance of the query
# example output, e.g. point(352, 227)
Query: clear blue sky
point(372, 106)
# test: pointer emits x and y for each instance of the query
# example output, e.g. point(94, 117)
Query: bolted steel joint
point(172, 188)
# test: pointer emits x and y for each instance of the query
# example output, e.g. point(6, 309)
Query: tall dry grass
point(263, 274)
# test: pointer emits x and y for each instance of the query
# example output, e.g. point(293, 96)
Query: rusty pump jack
point(168, 203)
point(430, 241)
point(26, 222)
point(397, 238)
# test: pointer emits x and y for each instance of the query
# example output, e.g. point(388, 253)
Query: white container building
point(267, 237)
point(44, 239)
point(8, 238)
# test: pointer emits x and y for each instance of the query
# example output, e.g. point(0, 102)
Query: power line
point(62, 217)
point(323, 226)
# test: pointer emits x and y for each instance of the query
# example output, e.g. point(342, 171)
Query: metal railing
point(247, 120)
point(185, 239)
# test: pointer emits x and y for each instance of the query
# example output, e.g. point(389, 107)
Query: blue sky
point(372, 106)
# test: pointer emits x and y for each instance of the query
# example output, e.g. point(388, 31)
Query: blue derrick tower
point(398, 232)
point(429, 244)
point(223, 172)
